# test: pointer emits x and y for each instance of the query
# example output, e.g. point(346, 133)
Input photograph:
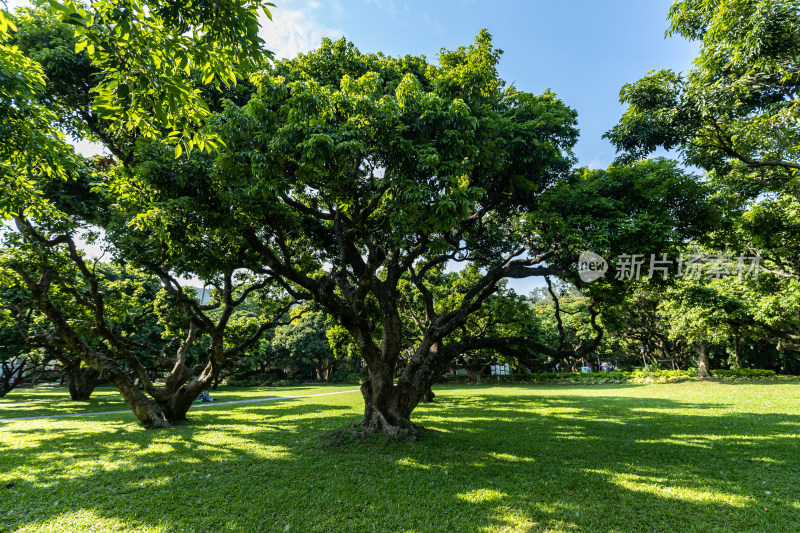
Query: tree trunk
point(474, 375)
point(702, 360)
point(10, 377)
point(216, 381)
point(323, 371)
point(388, 406)
point(736, 345)
point(428, 396)
point(81, 382)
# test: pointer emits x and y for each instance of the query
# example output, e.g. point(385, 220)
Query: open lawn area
point(694, 456)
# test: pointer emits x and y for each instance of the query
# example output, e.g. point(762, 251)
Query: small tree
point(698, 313)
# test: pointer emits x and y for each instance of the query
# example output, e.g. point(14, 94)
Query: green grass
point(694, 456)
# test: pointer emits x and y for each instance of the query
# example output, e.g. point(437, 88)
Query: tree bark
point(387, 409)
point(428, 396)
point(702, 360)
point(474, 375)
point(736, 351)
point(81, 382)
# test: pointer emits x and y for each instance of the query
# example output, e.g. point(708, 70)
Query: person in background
point(204, 397)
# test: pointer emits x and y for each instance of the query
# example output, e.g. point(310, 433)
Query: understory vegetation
point(636, 376)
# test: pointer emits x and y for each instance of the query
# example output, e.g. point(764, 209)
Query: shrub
point(744, 373)
point(256, 380)
point(636, 376)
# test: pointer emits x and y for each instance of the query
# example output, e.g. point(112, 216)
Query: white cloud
point(292, 32)
point(598, 163)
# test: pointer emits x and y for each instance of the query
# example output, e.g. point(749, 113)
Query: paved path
point(195, 406)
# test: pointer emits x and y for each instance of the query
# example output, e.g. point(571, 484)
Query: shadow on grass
point(488, 462)
point(109, 400)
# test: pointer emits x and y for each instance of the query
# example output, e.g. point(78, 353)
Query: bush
point(260, 380)
point(256, 380)
point(744, 373)
point(588, 378)
point(635, 376)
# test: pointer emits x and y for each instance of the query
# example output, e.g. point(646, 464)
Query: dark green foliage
point(744, 373)
point(636, 376)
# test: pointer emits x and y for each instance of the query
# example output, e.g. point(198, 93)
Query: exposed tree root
point(405, 431)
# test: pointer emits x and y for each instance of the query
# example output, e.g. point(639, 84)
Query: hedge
point(636, 376)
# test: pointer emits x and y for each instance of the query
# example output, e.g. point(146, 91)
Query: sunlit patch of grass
point(481, 495)
point(681, 457)
point(667, 487)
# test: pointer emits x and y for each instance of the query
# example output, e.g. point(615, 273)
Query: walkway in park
point(207, 404)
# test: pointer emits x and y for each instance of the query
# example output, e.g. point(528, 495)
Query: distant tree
point(23, 330)
point(304, 345)
point(498, 331)
point(344, 347)
point(13, 350)
point(569, 323)
point(98, 319)
point(698, 312)
point(642, 329)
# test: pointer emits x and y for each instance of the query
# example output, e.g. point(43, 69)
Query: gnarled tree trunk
point(387, 409)
point(474, 374)
point(388, 405)
point(81, 382)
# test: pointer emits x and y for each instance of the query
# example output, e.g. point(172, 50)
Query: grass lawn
point(46, 401)
point(695, 456)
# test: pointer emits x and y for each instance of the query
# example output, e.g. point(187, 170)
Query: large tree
point(99, 318)
point(733, 111)
point(128, 70)
point(349, 173)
